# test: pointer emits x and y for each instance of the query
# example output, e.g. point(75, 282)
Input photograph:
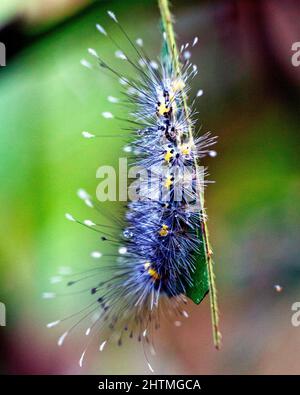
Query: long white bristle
point(139, 42)
point(88, 331)
point(82, 194)
point(112, 16)
point(113, 99)
point(185, 314)
point(120, 55)
point(87, 135)
point(86, 64)
point(187, 55)
point(61, 339)
point(81, 359)
point(123, 81)
point(96, 254)
point(89, 203)
point(70, 217)
point(107, 115)
point(88, 222)
point(102, 345)
point(127, 148)
point(212, 153)
point(131, 90)
point(52, 324)
point(122, 250)
point(154, 64)
point(93, 52)
point(101, 29)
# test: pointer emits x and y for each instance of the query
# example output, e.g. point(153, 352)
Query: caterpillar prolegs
point(157, 252)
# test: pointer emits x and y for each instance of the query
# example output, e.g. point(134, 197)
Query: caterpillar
point(157, 244)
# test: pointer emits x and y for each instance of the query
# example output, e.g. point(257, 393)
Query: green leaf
point(200, 287)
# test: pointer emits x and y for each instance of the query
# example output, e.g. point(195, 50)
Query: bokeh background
point(251, 101)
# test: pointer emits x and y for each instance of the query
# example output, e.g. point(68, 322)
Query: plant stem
point(167, 21)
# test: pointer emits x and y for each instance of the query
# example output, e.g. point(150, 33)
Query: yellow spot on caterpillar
point(185, 150)
point(168, 156)
point(168, 182)
point(163, 109)
point(153, 273)
point(164, 230)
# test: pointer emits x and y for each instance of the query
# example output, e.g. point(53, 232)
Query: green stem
point(167, 21)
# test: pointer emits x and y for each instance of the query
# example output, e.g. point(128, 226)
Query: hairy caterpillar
point(156, 252)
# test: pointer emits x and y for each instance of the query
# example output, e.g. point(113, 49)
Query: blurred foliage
point(8, 9)
point(37, 12)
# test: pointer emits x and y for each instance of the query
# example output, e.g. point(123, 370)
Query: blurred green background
point(251, 101)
